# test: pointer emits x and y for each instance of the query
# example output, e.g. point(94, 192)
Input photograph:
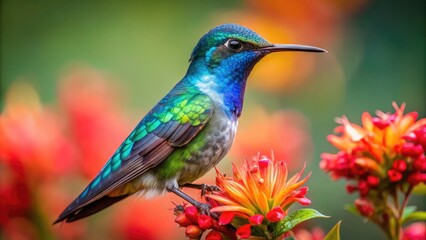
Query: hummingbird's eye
point(234, 45)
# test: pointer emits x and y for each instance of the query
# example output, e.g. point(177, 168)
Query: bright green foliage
point(334, 233)
point(290, 221)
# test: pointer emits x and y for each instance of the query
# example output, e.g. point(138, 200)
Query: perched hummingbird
point(189, 131)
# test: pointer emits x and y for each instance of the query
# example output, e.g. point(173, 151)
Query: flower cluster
point(383, 156)
point(196, 224)
point(259, 193)
point(255, 201)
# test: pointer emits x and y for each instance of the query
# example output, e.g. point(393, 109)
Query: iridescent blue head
point(236, 47)
point(226, 55)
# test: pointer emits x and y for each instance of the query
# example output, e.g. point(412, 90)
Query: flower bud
point(226, 218)
point(363, 187)
point(276, 214)
point(416, 178)
point(182, 220)
point(394, 175)
point(373, 181)
point(263, 163)
point(193, 231)
point(420, 163)
point(244, 231)
point(364, 207)
point(399, 165)
point(205, 222)
point(191, 213)
point(214, 235)
point(256, 219)
point(412, 150)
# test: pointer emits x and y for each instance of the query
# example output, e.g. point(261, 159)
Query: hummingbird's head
point(233, 46)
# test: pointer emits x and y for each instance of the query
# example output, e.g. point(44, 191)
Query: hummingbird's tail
point(71, 214)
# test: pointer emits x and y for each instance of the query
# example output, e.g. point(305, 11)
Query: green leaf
point(414, 216)
point(290, 238)
point(352, 209)
point(334, 233)
point(295, 218)
point(408, 210)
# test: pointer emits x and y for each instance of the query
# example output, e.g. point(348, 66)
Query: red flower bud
point(351, 188)
point(394, 175)
point(373, 181)
point(182, 220)
point(399, 165)
point(276, 214)
point(191, 213)
point(256, 219)
point(244, 231)
point(412, 150)
point(304, 201)
point(421, 136)
point(420, 163)
point(380, 123)
point(416, 178)
point(214, 235)
point(205, 222)
point(364, 207)
point(263, 163)
point(226, 218)
point(363, 187)
point(193, 231)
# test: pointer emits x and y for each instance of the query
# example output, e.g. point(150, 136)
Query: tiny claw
point(203, 187)
point(208, 188)
point(204, 208)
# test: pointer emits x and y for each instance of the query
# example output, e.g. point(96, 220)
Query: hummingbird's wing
point(172, 123)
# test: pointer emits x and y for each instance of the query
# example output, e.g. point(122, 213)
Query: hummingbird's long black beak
point(291, 47)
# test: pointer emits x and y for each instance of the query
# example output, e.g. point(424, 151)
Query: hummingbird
point(188, 131)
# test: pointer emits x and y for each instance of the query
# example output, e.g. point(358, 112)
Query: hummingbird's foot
point(203, 208)
point(203, 187)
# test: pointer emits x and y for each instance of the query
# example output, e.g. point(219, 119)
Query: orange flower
point(258, 188)
point(387, 145)
point(386, 158)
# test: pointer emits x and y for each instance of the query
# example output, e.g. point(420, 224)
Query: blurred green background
point(376, 55)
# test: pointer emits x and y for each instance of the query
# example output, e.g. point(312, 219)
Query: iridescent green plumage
point(189, 131)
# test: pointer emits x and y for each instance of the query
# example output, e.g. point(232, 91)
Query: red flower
point(193, 231)
point(226, 218)
point(394, 175)
point(90, 105)
point(205, 222)
point(191, 212)
point(365, 207)
point(415, 231)
point(399, 165)
point(214, 235)
point(276, 214)
point(416, 178)
point(256, 219)
point(244, 231)
point(373, 181)
point(182, 220)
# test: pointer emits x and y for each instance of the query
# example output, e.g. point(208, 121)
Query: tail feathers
point(73, 214)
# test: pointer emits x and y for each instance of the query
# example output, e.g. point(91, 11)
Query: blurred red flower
point(95, 123)
point(415, 231)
